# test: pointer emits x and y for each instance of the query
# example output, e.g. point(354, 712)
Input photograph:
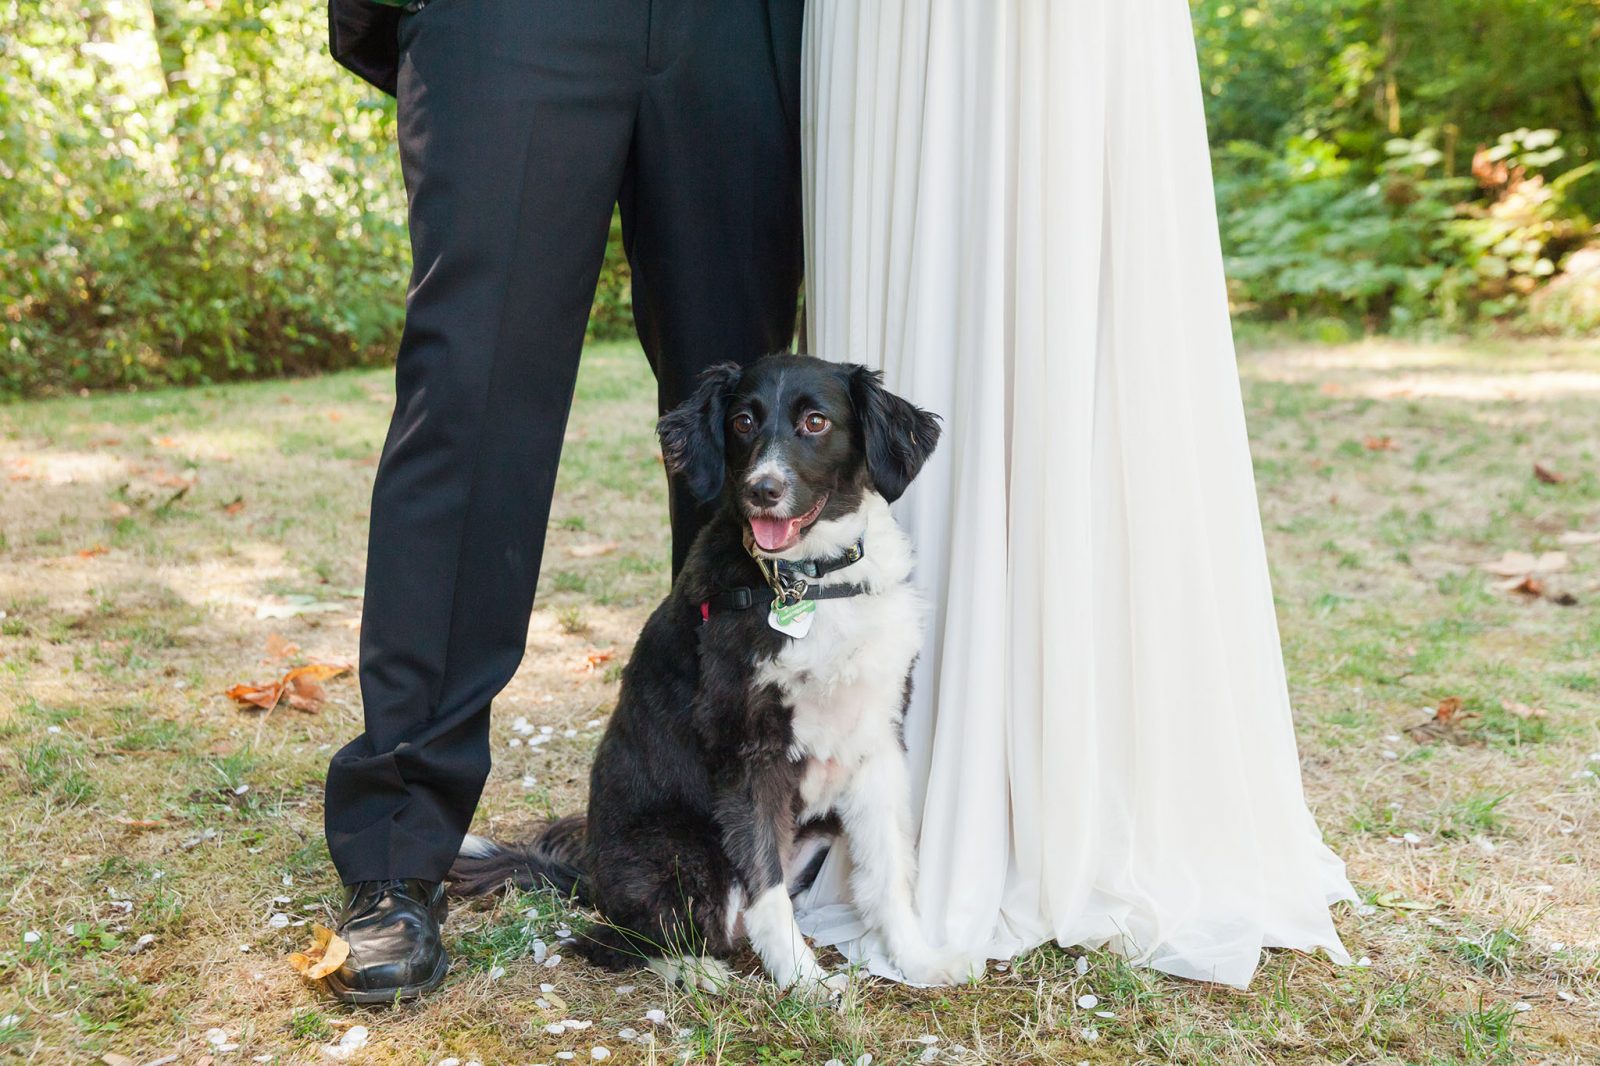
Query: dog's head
point(791, 440)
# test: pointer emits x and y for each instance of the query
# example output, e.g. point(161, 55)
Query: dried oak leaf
point(326, 954)
point(1529, 586)
point(301, 687)
point(1379, 444)
point(595, 658)
point(1547, 475)
point(1448, 723)
point(262, 697)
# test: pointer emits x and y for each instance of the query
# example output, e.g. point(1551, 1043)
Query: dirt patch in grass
point(163, 851)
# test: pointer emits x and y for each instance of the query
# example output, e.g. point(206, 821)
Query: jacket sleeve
point(363, 36)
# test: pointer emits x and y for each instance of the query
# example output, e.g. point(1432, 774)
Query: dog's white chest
point(845, 680)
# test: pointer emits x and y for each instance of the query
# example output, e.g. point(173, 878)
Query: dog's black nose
point(767, 490)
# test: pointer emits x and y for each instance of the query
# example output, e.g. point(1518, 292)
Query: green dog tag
point(792, 619)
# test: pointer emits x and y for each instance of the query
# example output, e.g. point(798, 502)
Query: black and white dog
point(760, 713)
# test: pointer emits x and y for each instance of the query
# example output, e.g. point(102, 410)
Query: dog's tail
point(553, 859)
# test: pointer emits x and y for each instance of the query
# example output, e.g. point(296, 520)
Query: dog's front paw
point(822, 987)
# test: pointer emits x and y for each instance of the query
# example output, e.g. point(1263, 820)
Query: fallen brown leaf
point(590, 551)
point(141, 823)
point(326, 954)
point(301, 687)
point(1529, 586)
point(90, 553)
point(111, 1058)
point(233, 506)
point(1379, 444)
point(1448, 723)
point(593, 660)
point(1548, 476)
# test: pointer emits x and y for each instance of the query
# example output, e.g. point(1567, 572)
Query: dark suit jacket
point(363, 35)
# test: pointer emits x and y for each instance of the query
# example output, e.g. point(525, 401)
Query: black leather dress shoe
point(396, 954)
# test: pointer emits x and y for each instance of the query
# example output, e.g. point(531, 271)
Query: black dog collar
point(789, 582)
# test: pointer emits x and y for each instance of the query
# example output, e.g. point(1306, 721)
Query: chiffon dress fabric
point(1009, 211)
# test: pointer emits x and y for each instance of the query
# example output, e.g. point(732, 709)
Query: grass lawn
point(162, 851)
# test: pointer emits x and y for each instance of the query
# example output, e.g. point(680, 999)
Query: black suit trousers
point(521, 124)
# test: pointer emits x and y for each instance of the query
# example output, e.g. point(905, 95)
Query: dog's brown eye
point(743, 423)
point(815, 422)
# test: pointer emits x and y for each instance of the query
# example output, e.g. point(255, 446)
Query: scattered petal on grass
point(1522, 710)
point(354, 1039)
point(927, 1038)
point(1547, 475)
point(555, 1029)
point(1522, 1007)
point(547, 987)
point(32, 936)
point(627, 1034)
point(599, 1052)
point(1576, 539)
point(326, 954)
point(1088, 1001)
point(656, 1015)
point(624, 990)
point(111, 1058)
point(864, 1059)
point(590, 551)
point(143, 942)
point(566, 1055)
point(278, 921)
point(1363, 961)
point(216, 1036)
point(496, 972)
point(1081, 966)
point(552, 962)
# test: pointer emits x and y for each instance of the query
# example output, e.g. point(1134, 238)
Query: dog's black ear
point(898, 435)
point(691, 433)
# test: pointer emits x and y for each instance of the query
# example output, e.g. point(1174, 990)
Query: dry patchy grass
point(152, 544)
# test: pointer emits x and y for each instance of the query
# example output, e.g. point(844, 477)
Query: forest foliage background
point(193, 191)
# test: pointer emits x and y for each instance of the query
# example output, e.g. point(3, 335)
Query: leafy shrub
point(194, 191)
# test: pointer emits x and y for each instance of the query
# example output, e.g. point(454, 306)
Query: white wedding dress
point(1009, 210)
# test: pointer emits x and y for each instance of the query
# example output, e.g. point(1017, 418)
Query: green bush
point(194, 191)
point(1330, 211)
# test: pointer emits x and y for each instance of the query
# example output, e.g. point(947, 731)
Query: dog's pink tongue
point(773, 534)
